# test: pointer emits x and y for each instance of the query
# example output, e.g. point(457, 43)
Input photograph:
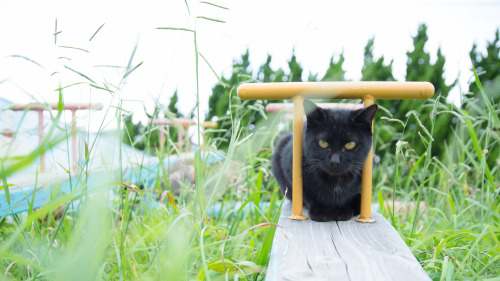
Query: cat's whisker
point(311, 168)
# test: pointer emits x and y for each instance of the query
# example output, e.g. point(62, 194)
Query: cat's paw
point(321, 215)
point(344, 215)
point(325, 214)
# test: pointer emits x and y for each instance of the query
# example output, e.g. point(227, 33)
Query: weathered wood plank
point(340, 251)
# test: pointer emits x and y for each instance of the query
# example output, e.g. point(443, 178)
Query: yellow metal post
point(366, 179)
point(298, 134)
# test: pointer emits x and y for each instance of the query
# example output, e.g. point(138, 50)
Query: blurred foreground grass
point(112, 232)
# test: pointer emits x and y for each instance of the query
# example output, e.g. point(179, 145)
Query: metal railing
point(368, 92)
point(181, 124)
point(53, 106)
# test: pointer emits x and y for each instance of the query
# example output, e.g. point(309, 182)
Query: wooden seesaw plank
point(340, 251)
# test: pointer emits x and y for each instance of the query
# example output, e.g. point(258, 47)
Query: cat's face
point(337, 141)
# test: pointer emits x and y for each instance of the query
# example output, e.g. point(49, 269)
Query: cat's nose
point(335, 159)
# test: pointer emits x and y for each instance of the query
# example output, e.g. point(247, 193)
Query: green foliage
point(267, 74)
point(224, 95)
point(488, 68)
point(455, 237)
point(375, 70)
point(140, 136)
point(420, 68)
point(335, 71)
point(147, 137)
point(172, 106)
point(131, 132)
point(295, 69)
point(218, 102)
point(224, 100)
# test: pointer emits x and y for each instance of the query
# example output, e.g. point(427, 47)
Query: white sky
point(316, 30)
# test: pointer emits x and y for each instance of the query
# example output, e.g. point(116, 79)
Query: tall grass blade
point(28, 59)
point(202, 252)
point(79, 73)
point(74, 48)
point(95, 33)
point(486, 100)
point(211, 68)
point(101, 88)
point(210, 19)
point(237, 216)
point(30, 210)
point(414, 113)
point(187, 7)
point(215, 5)
point(132, 70)
point(199, 182)
point(479, 151)
point(129, 64)
point(263, 258)
point(5, 185)
point(176, 28)
point(393, 120)
point(56, 32)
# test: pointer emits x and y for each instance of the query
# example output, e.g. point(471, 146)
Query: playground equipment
point(183, 125)
point(368, 92)
point(73, 107)
point(344, 250)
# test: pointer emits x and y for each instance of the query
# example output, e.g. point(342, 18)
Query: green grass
point(118, 233)
point(457, 236)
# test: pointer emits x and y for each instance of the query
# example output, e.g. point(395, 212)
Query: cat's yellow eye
point(323, 144)
point(350, 145)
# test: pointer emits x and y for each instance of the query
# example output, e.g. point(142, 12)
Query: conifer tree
point(335, 71)
point(295, 69)
point(172, 106)
point(218, 102)
point(375, 70)
point(488, 69)
point(420, 68)
point(267, 74)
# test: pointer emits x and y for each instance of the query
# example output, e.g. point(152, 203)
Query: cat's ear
point(365, 115)
point(314, 113)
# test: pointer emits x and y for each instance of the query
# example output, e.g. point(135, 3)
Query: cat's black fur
point(331, 176)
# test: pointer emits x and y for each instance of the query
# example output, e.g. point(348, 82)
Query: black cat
point(336, 144)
